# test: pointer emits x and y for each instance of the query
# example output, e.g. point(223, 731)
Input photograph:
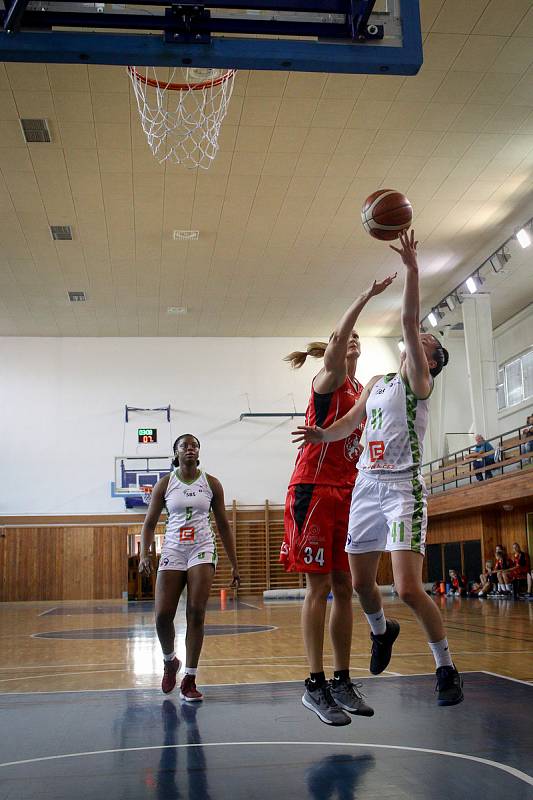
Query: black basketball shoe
point(449, 686)
point(382, 647)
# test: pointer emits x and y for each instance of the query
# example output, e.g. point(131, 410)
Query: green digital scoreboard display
point(147, 435)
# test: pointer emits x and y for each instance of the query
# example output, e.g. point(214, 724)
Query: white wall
point(62, 408)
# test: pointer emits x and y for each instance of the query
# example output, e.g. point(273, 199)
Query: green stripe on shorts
point(411, 403)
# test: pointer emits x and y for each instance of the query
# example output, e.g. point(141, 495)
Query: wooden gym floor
point(109, 645)
point(85, 717)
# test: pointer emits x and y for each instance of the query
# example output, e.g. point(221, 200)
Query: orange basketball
point(386, 213)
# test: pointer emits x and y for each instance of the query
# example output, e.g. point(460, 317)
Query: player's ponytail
point(298, 358)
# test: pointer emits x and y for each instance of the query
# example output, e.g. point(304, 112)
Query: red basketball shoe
point(188, 690)
point(171, 669)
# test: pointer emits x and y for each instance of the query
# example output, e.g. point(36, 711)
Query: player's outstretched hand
point(307, 434)
point(380, 286)
point(408, 249)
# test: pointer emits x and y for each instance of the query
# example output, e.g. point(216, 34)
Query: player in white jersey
point(188, 556)
point(389, 508)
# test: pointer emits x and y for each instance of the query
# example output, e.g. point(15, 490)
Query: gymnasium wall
point(62, 409)
point(511, 339)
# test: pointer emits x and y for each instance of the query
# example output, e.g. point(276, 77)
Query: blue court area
point(136, 607)
point(148, 632)
point(257, 741)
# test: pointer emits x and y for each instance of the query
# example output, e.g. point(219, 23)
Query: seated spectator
point(483, 457)
point(527, 448)
point(501, 563)
point(457, 584)
point(519, 569)
point(488, 581)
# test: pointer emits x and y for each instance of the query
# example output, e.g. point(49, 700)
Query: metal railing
point(512, 451)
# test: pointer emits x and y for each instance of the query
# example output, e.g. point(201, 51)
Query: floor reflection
point(338, 777)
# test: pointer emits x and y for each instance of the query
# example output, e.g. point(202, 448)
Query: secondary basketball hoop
point(146, 494)
point(182, 116)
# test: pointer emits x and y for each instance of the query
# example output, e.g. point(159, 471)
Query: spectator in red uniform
point(316, 518)
point(518, 571)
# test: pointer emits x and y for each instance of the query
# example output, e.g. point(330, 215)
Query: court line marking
point(516, 773)
point(59, 675)
point(48, 610)
point(505, 677)
point(234, 662)
point(205, 666)
point(383, 676)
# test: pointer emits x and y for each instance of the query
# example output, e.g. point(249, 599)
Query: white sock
point(509, 587)
point(169, 656)
point(441, 653)
point(191, 670)
point(377, 622)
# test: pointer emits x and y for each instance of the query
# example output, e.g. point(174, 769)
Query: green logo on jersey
point(398, 529)
point(376, 419)
point(188, 513)
point(200, 556)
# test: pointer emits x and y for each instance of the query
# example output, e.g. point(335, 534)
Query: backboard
point(334, 36)
point(131, 474)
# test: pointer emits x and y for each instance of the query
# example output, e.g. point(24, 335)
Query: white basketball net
point(181, 115)
point(146, 494)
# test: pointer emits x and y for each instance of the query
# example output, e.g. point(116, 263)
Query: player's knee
point(164, 617)
point(195, 615)
point(319, 589)
point(409, 593)
point(362, 585)
point(342, 589)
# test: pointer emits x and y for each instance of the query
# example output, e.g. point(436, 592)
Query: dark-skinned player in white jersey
point(389, 506)
point(316, 517)
point(188, 557)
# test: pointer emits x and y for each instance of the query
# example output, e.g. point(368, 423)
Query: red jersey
point(330, 463)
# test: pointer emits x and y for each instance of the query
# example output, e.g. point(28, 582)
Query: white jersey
point(395, 428)
point(188, 506)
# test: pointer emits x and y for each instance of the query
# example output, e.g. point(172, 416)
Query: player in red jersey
point(316, 518)
point(517, 572)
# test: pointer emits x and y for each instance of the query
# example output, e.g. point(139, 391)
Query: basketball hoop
point(146, 494)
point(182, 116)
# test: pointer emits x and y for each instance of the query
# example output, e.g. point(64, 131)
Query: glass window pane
point(513, 382)
point(527, 370)
point(500, 395)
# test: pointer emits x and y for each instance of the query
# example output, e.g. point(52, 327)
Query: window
point(515, 381)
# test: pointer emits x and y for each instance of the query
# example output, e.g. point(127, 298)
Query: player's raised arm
point(335, 355)
point(417, 367)
point(313, 434)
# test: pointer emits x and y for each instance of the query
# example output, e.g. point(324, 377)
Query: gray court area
point(257, 741)
point(143, 632)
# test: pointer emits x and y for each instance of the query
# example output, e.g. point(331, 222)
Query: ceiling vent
point(61, 232)
point(185, 236)
point(77, 297)
point(35, 130)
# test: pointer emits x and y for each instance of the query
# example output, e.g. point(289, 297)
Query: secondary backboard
point(131, 474)
point(335, 36)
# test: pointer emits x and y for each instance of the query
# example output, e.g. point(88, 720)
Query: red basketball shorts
point(316, 523)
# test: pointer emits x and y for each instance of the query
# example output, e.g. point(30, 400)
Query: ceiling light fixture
point(523, 238)
point(497, 260)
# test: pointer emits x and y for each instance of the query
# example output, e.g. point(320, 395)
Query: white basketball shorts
point(182, 556)
point(387, 513)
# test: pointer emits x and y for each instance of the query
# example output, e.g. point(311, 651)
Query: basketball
point(386, 213)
